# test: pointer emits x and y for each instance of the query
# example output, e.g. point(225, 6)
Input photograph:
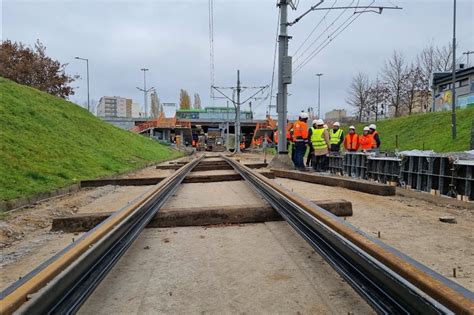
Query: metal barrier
point(442, 174)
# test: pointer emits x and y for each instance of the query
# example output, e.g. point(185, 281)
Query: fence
point(448, 175)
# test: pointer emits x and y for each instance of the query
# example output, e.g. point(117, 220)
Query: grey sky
point(171, 39)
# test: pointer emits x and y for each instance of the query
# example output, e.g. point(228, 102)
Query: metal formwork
point(336, 164)
point(443, 174)
point(384, 169)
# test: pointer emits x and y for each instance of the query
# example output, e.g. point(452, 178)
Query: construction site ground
point(226, 264)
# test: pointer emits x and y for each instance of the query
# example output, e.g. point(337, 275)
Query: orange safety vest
point(300, 131)
point(366, 142)
point(374, 145)
point(351, 142)
point(289, 131)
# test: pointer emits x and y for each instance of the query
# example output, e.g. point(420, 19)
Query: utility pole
point(227, 127)
point(453, 87)
point(237, 123)
point(319, 94)
point(87, 65)
point(467, 53)
point(284, 76)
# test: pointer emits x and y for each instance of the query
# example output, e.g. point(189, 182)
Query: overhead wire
point(320, 35)
point(313, 30)
point(330, 38)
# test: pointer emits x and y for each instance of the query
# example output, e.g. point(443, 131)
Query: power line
point(330, 38)
point(274, 64)
point(323, 32)
point(313, 30)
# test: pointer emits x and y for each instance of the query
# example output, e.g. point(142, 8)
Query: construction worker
point(366, 140)
point(300, 140)
point(375, 136)
point(336, 137)
point(351, 141)
point(319, 143)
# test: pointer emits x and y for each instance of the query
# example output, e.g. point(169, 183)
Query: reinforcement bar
point(388, 280)
point(63, 283)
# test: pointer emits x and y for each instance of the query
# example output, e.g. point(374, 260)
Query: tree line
point(401, 87)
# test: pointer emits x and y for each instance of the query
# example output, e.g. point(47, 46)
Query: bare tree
point(197, 101)
point(394, 73)
point(359, 94)
point(378, 95)
point(414, 92)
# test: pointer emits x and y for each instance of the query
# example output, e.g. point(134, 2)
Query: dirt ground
point(410, 225)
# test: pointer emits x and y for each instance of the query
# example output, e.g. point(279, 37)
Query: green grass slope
point(430, 131)
point(48, 143)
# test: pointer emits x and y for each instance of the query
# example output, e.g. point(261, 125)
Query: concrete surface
point(255, 268)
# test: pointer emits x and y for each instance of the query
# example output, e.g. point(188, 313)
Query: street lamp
point(319, 94)
point(145, 91)
point(87, 64)
point(467, 53)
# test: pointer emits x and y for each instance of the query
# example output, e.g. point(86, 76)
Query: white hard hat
point(366, 128)
point(352, 127)
point(325, 126)
point(304, 115)
point(372, 126)
point(337, 124)
point(318, 122)
point(314, 122)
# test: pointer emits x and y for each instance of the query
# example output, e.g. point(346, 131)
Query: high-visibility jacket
point(289, 132)
point(317, 138)
point(335, 136)
point(366, 142)
point(300, 131)
point(373, 137)
point(351, 142)
point(275, 136)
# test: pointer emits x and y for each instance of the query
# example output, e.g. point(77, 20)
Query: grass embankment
point(47, 142)
point(430, 131)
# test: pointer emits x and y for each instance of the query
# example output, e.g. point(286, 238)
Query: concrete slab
point(255, 268)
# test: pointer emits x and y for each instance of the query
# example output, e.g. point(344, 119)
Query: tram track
point(388, 280)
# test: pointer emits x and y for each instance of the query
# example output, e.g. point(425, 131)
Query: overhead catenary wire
point(330, 38)
point(320, 35)
point(313, 30)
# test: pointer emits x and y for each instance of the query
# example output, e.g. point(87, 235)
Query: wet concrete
point(253, 268)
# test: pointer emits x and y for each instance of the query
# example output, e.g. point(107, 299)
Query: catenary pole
point(237, 124)
point(319, 94)
point(282, 95)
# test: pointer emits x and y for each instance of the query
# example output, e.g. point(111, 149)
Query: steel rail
point(388, 280)
point(64, 282)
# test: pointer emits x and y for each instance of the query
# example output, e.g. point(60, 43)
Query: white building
point(115, 106)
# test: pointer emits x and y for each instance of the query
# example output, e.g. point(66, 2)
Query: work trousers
point(300, 150)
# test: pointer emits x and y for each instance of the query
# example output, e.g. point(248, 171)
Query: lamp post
point(453, 87)
point(145, 91)
point(87, 64)
point(319, 94)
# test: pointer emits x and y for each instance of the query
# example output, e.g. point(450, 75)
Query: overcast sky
point(171, 38)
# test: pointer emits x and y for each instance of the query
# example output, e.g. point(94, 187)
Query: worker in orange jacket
point(300, 140)
point(366, 140)
point(351, 141)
